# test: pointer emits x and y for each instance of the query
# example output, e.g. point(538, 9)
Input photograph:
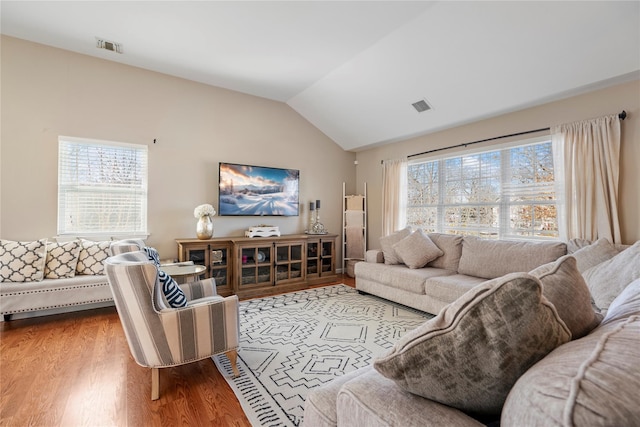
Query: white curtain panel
point(587, 167)
point(394, 195)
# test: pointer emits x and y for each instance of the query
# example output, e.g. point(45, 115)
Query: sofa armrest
point(375, 256)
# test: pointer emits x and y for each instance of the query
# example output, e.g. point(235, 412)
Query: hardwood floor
point(75, 369)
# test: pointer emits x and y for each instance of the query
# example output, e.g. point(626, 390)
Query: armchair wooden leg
point(155, 383)
point(233, 358)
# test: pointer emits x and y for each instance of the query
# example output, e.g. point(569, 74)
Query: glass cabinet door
point(197, 256)
point(255, 265)
point(289, 262)
point(327, 257)
point(219, 265)
point(313, 263)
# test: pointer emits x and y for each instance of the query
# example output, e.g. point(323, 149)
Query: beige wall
point(47, 92)
point(594, 104)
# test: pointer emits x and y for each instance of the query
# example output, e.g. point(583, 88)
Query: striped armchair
point(160, 336)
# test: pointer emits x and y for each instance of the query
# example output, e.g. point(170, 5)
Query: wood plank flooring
point(75, 369)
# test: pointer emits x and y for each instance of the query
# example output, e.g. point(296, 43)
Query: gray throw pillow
point(471, 354)
point(387, 242)
point(592, 255)
point(565, 288)
point(416, 250)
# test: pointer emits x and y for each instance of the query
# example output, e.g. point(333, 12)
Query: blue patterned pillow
point(172, 292)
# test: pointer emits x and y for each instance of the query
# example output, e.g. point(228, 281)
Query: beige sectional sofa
point(558, 346)
point(523, 349)
point(465, 262)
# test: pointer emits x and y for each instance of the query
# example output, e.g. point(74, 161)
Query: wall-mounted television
point(246, 190)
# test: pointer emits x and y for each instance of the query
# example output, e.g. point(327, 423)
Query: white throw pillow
point(62, 259)
point(416, 250)
point(92, 256)
point(22, 261)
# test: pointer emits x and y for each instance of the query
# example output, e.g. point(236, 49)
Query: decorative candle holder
point(311, 220)
point(317, 227)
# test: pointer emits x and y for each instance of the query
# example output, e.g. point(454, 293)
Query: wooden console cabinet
point(260, 266)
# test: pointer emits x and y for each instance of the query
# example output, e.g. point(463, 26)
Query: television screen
point(258, 190)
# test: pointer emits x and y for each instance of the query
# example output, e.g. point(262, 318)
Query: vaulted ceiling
point(354, 68)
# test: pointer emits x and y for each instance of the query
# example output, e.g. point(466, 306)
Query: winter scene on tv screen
point(258, 190)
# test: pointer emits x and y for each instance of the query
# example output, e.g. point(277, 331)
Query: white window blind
point(102, 187)
point(504, 193)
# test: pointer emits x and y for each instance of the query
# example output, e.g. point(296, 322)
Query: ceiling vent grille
point(421, 106)
point(107, 45)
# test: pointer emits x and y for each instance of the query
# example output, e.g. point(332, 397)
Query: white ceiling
point(353, 68)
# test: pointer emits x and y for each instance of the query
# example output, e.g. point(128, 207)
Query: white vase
point(204, 228)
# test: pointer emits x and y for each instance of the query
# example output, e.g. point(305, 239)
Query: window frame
point(141, 190)
point(503, 204)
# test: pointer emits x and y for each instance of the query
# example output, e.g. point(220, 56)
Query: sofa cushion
point(416, 250)
point(92, 257)
point(374, 256)
point(592, 255)
point(607, 279)
point(320, 405)
point(470, 355)
point(62, 259)
point(495, 258)
point(564, 286)
point(22, 261)
point(398, 276)
point(451, 245)
point(387, 242)
point(364, 401)
point(450, 288)
point(587, 382)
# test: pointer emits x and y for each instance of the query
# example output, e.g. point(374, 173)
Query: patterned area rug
point(292, 343)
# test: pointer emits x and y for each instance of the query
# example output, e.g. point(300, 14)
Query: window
point(503, 193)
point(102, 188)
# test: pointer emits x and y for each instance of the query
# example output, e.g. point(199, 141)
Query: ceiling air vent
point(421, 106)
point(107, 45)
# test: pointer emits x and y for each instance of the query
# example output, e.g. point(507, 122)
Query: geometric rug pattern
point(292, 343)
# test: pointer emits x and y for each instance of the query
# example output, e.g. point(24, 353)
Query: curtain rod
point(622, 116)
